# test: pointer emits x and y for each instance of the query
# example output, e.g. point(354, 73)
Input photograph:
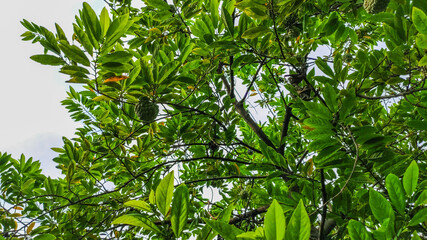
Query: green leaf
point(299, 224)
point(357, 231)
point(227, 231)
point(138, 204)
point(104, 21)
point(159, 4)
point(421, 41)
point(380, 207)
point(274, 222)
point(136, 220)
point(415, 236)
point(273, 156)
point(396, 192)
point(116, 30)
point(330, 97)
point(422, 199)
point(83, 38)
point(164, 193)
point(45, 236)
point(74, 53)
point(179, 212)
point(185, 52)
point(332, 25)
point(423, 61)
point(255, 32)
point(410, 178)
point(420, 217)
point(48, 59)
point(228, 21)
point(385, 232)
point(324, 67)
point(91, 24)
point(119, 56)
point(167, 69)
point(417, 124)
point(420, 19)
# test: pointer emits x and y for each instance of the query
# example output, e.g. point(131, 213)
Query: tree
point(308, 118)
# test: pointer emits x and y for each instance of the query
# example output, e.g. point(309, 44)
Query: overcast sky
point(32, 120)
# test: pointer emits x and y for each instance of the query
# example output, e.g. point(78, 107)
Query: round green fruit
point(146, 110)
point(347, 57)
point(375, 6)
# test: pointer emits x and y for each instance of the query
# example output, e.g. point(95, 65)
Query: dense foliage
point(307, 117)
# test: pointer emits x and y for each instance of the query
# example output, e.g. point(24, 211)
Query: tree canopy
point(308, 118)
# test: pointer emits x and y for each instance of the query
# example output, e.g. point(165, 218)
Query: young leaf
point(274, 222)
point(164, 193)
point(357, 231)
point(48, 59)
point(299, 224)
point(410, 178)
point(396, 192)
point(380, 207)
point(179, 212)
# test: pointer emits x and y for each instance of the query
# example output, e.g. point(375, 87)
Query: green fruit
point(375, 6)
point(347, 57)
point(146, 110)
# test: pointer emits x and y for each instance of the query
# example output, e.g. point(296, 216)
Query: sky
point(32, 119)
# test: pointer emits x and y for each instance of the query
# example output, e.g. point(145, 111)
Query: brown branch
point(285, 128)
point(252, 124)
point(249, 214)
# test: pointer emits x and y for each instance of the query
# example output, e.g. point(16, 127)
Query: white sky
point(32, 120)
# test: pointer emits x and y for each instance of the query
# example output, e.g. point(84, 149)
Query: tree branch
point(285, 128)
point(401, 94)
